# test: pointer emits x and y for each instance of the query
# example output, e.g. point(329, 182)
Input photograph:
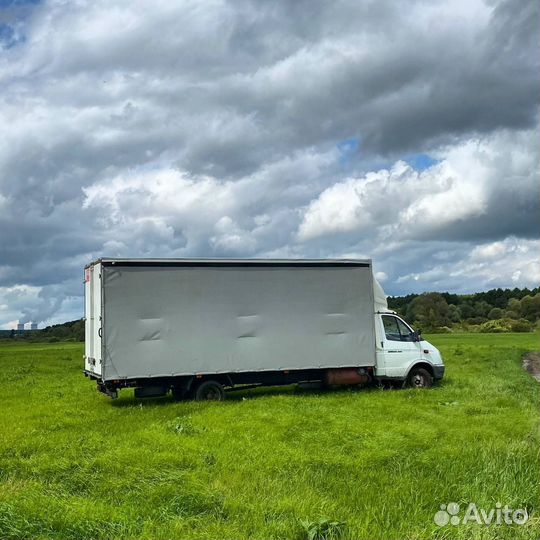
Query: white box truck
point(197, 327)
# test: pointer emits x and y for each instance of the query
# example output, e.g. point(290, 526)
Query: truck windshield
point(396, 330)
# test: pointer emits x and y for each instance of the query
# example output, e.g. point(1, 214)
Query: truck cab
point(402, 353)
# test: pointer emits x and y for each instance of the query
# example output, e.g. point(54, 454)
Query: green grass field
point(273, 463)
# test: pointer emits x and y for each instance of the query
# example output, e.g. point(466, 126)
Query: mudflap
point(104, 389)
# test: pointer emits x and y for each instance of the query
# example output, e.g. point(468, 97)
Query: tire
point(209, 391)
point(419, 378)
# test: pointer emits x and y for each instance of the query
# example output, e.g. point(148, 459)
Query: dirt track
point(531, 362)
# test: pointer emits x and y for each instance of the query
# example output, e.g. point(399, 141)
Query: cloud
point(509, 263)
point(488, 252)
point(279, 129)
point(162, 208)
point(469, 183)
point(24, 303)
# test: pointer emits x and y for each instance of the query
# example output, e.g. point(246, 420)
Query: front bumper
point(438, 372)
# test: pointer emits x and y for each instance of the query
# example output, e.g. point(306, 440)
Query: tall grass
point(274, 463)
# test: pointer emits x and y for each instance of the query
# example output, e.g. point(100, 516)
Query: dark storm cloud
point(217, 128)
point(402, 90)
point(510, 212)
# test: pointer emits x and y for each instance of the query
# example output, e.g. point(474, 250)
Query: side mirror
point(418, 334)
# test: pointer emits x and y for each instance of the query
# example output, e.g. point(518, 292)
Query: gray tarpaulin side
point(166, 320)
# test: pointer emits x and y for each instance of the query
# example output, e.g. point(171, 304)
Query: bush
point(505, 325)
point(495, 313)
point(491, 328)
point(476, 320)
point(440, 330)
point(496, 327)
point(522, 325)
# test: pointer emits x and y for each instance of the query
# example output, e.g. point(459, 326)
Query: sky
point(402, 132)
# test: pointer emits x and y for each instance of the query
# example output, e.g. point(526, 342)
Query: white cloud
point(161, 209)
point(489, 251)
point(230, 238)
point(402, 202)
point(509, 263)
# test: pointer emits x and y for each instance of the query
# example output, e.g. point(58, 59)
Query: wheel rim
point(418, 380)
point(212, 394)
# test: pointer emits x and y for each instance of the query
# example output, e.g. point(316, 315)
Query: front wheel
point(210, 391)
point(419, 378)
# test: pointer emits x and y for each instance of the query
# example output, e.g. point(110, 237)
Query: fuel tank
point(344, 376)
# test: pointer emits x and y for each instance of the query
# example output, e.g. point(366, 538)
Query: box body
point(163, 318)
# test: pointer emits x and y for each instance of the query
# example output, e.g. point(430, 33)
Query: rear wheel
point(419, 378)
point(210, 391)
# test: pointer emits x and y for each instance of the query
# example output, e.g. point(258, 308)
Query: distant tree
point(495, 313)
point(530, 307)
point(70, 331)
point(450, 298)
point(61, 332)
point(482, 308)
point(498, 298)
point(77, 330)
point(514, 305)
point(429, 311)
point(466, 310)
point(454, 313)
point(400, 303)
point(477, 307)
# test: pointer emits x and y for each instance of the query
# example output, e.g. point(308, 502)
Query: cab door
point(400, 348)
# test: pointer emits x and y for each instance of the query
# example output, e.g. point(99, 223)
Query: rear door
point(400, 350)
point(93, 319)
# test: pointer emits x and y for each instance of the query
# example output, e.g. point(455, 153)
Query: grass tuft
point(322, 529)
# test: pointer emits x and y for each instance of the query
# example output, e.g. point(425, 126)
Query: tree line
point(68, 331)
point(496, 310)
